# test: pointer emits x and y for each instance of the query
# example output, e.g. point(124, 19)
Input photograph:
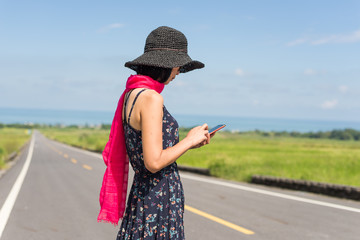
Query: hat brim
point(166, 59)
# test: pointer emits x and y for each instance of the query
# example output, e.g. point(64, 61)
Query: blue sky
point(278, 59)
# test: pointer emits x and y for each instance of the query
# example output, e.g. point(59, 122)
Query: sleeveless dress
point(155, 204)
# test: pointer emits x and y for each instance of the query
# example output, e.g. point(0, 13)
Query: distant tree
point(105, 126)
point(295, 134)
point(341, 134)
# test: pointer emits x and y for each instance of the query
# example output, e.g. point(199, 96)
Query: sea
point(95, 118)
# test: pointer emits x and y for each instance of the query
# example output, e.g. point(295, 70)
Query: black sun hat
point(166, 47)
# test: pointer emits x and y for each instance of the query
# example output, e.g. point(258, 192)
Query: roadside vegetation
point(11, 140)
point(346, 134)
point(238, 156)
point(93, 139)
point(332, 157)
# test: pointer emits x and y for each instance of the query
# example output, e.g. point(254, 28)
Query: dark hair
point(159, 74)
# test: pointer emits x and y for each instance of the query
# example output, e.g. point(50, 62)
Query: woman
point(145, 132)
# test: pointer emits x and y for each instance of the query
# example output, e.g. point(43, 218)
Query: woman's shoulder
point(152, 97)
point(148, 99)
point(151, 103)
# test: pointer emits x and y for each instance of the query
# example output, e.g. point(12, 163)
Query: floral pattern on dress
point(155, 206)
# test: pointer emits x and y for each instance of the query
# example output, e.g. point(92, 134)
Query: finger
point(213, 134)
point(205, 126)
point(208, 138)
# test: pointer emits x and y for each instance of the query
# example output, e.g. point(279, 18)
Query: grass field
point(239, 156)
point(11, 139)
point(87, 138)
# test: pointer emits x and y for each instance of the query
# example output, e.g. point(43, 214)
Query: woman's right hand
point(198, 136)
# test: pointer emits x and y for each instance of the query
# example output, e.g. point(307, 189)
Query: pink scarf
point(115, 181)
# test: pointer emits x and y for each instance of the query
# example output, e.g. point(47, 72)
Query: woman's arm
point(151, 114)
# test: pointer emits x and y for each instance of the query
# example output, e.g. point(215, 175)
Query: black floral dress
point(155, 205)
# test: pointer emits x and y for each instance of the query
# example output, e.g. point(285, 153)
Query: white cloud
point(297, 42)
point(335, 38)
point(109, 27)
point(329, 104)
point(310, 72)
point(343, 88)
point(345, 38)
point(179, 83)
point(239, 72)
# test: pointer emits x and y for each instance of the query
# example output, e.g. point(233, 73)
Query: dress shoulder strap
point(125, 104)
point(137, 95)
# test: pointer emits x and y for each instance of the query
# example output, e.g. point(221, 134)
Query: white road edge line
point(274, 194)
point(10, 200)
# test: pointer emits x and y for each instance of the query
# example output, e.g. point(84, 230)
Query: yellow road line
point(87, 167)
point(58, 151)
point(73, 160)
point(54, 149)
point(219, 220)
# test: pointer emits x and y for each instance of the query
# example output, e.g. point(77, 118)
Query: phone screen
point(216, 128)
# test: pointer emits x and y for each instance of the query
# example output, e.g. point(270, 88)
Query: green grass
point(239, 156)
point(87, 138)
point(11, 140)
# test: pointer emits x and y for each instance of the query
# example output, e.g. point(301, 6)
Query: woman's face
point(175, 71)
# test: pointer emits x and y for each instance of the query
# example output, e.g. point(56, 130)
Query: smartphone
point(216, 128)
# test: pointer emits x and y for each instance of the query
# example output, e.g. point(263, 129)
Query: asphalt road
point(58, 199)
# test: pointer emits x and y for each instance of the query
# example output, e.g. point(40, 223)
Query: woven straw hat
point(166, 47)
